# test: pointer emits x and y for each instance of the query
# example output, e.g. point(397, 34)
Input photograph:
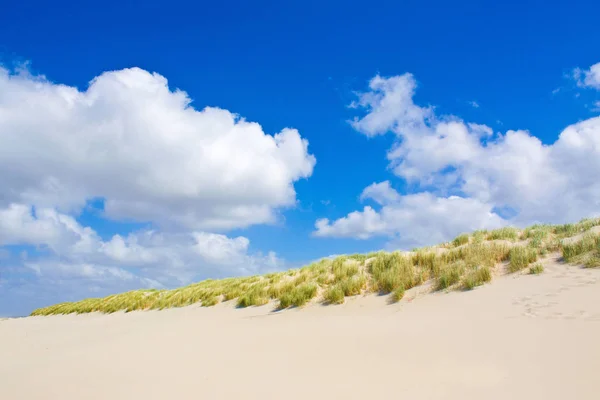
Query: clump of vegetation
point(450, 276)
point(344, 268)
point(466, 262)
point(256, 296)
point(585, 251)
point(353, 285)
point(536, 269)
point(390, 271)
point(520, 257)
point(588, 243)
point(429, 263)
point(479, 236)
point(334, 295)
point(536, 237)
point(397, 294)
point(507, 233)
point(298, 296)
point(476, 277)
point(460, 240)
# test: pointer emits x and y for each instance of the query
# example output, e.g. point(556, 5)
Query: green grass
point(586, 244)
point(258, 295)
point(450, 276)
point(390, 271)
point(334, 295)
point(520, 257)
point(585, 251)
point(466, 262)
point(298, 296)
point(479, 236)
point(536, 237)
point(476, 277)
point(536, 269)
point(397, 294)
point(508, 233)
point(460, 240)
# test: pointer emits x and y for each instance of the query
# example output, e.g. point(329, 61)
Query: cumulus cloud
point(154, 257)
point(588, 77)
point(412, 220)
point(382, 193)
point(66, 261)
point(465, 169)
point(143, 148)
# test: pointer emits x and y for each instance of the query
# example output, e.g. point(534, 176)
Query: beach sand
point(520, 337)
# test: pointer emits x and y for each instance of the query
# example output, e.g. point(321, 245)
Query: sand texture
point(520, 337)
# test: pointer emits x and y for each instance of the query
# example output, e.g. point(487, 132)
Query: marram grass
point(463, 264)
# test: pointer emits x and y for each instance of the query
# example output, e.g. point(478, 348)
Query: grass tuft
point(589, 243)
point(476, 277)
point(397, 294)
point(450, 276)
point(520, 257)
point(460, 240)
point(507, 233)
point(334, 295)
point(536, 269)
point(390, 271)
point(298, 296)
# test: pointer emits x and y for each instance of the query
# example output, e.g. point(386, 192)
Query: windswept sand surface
point(521, 337)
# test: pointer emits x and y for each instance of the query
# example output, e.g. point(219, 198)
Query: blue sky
point(113, 181)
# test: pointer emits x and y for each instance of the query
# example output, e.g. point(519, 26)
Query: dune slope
point(521, 337)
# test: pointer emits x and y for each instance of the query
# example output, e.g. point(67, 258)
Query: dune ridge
point(470, 260)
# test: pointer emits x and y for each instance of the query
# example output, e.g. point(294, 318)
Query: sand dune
point(520, 337)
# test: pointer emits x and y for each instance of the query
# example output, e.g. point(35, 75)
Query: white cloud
point(588, 78)
point(150, 256)
point(357, 224)
point(382, 193)
point(414, 219)
point(474, 104)
point(444, 156)
point(142, 147)
point(389, 104)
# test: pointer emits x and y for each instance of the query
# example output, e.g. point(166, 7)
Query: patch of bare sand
point(520, 337)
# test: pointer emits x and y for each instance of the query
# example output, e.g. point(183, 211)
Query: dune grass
point(536, 269)
point(460, 240)
point(585, 251)
point(463, 264)
point(508, 233)
point(397, 294)
point(298, 296)
point(476, 277)
point(520, 257)
point(450, 276)
point(334, 295)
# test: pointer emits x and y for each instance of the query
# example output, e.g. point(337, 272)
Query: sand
point(520, 337)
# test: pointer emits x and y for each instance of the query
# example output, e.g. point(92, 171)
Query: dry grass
point(460, 240)
point(508, 233)
point(298, 296)
point(536, 269)
point(464, 263)
point(334, 295)
point(476, 277)
point(450, 276)
point(585, 251)
point(520, 257)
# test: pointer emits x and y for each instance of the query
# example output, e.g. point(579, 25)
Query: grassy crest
point(465, 263)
